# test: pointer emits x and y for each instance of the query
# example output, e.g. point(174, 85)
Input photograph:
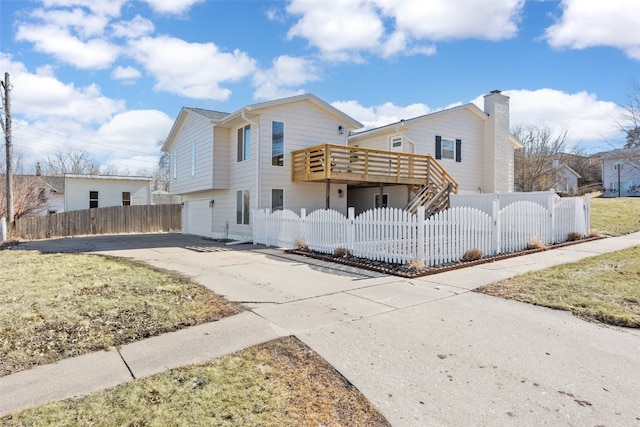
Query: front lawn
point(54, 306)
point(615, 216)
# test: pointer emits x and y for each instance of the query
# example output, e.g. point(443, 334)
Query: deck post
point(328, 194)
point(380, 202)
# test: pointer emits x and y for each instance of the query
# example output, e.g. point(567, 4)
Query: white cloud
point(343, 29)
point(173, 7)
point(55, 36)
point(614, 23)
point(337, 27)
point(41, 94)
point(133, 29)
point(283, 77)
point(581, 114)
point(125, 73)
point(445, 20)
point(381, 115)
point(109, 8)
point(50, 115)
point(193, 70)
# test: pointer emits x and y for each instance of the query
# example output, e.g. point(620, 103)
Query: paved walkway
point(425, 351)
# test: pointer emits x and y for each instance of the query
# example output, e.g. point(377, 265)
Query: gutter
point(258, 162)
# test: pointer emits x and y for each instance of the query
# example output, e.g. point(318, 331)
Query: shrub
point(535, 243)
point(416, 264)
point(472, 255)
point(341, 252)
point(573, 236)
point(301, 245)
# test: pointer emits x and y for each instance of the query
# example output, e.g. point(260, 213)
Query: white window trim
point(376, 195)
point(394, 138)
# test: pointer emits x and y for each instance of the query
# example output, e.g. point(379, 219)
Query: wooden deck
point(362, 166)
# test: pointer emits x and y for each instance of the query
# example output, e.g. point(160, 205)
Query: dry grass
point(615, 216)
point(279, 383)
point(55, 306)
point(605, 288)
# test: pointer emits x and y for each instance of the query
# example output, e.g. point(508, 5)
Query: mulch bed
point(406, 271)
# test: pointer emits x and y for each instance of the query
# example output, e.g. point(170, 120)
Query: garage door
point(198, 215)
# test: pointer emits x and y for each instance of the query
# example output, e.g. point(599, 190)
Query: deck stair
point(433, 199)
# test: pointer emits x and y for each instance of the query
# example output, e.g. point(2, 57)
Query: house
point(474, 146)
point(301, 152)
point(98, 191)
point(565, 178)
point(621, 172)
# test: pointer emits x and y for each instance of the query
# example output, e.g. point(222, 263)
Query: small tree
point(533, 165)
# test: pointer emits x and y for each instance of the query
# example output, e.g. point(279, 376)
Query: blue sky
point(109, 77)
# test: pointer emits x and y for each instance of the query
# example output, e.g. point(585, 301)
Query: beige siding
point(457, 124)
point(198, 129)
point(109, 192)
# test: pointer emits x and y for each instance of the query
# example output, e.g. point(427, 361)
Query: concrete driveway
point(425, 351)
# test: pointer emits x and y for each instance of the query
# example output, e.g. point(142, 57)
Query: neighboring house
point(54, 195)
point(621, 172)
point(301, 152)
point(98, 191)
point(565, 179)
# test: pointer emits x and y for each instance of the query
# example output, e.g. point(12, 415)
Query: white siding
point(76, 191)
point(193, 128)
point(457, 124)
point(362, 199)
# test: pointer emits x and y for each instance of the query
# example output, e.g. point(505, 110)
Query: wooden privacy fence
point(397, 236)
point(108, 220)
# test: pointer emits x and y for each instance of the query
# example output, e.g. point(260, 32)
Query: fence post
point(303, 227)
point(587, 212)
point(3, 229)
point(552, 217)
point(420, 219)
point(496, 229)
point(351, 212)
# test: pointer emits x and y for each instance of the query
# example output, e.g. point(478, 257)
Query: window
point(242, 207)
point(244, 143)
point(447, 149)
point(277, 143)
point(385, 200)
point(277, 199)
point(175, 164)
point(126, 198)
point(93, 199)
point(193, 158)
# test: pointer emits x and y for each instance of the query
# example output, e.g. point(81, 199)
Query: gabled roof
point(390, 127)
point(353, 123)
point(55, 183)
point(571, 171)
point(214, 116)
point(620, 153)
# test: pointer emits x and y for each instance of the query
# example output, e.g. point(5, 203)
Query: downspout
point(258, 161)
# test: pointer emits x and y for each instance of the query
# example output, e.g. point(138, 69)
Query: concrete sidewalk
point(425, 351)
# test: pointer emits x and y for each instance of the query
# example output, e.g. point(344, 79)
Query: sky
point(110, 77)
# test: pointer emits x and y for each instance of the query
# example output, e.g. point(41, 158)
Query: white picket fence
point(396, 236)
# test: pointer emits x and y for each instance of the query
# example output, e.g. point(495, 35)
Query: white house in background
point(99, 191)
point(301, 152)
point(621, 172)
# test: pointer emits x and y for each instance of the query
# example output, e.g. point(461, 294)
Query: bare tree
point(160, 173)
point(533, 165)
point(29, 191)
point(629, 122)
point(70, 160)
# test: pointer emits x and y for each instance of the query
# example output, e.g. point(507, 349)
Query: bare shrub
point(536, 243)
point(301, 245)
point(472, 255)
point(416, 264)
point(341, 252)
point(573, 236)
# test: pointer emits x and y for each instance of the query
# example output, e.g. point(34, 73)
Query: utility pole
point(6, 127)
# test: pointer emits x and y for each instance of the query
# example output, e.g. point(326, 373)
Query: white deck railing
point(397, 236)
